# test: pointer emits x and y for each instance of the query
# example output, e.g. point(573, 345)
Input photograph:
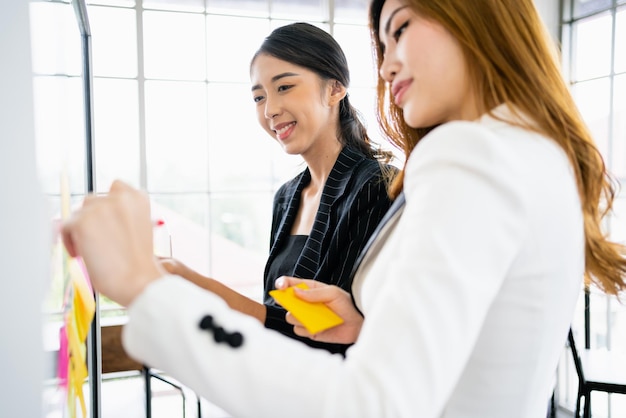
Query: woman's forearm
point(233, 298)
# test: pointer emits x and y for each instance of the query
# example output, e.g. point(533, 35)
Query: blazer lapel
point(334, 188)
point(288, 212)
point(397, 204)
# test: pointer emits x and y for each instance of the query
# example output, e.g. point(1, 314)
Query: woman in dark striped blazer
point(323, 217)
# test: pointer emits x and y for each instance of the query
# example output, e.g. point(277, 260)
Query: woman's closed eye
point(398, 32)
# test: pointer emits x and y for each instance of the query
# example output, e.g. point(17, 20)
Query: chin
point(411, 117)
point(418, 119)
point(291, 150)
point(412, 121)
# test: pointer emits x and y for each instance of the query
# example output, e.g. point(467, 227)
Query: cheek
point(413, 116)
point(260, 116)
point(263, 122)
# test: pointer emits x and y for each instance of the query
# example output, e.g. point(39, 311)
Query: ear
point(337, 92)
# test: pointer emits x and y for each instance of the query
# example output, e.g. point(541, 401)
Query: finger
point(284, 282)
point(167, 264)
point(68, 240)
point(73, 227)
point(119, 186)
point(302, 332)
point(324, 294)
point(90, 200)
point(292, 320)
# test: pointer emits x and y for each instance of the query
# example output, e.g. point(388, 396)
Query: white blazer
point(467, 294)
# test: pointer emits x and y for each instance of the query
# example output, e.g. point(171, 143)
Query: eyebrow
point(388, 23)
point(275, 79)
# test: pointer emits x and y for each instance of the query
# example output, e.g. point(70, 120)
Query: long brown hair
point(512, 60)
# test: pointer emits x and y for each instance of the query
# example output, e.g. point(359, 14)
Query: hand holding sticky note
point(314, 316)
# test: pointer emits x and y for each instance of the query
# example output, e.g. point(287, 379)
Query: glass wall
point(173, 115)
point(594, 57)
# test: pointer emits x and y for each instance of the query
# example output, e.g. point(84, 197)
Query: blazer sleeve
point(425, 305)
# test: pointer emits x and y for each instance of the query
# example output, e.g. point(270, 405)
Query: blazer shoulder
point(286, 190)
point(373, 171)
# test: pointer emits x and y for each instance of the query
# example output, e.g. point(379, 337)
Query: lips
point(399, 88)
point(284, 129)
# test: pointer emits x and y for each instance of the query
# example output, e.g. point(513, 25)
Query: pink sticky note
point(63, 361)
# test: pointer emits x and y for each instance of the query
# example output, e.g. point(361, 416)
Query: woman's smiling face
point(293, 104)
point(425, 68)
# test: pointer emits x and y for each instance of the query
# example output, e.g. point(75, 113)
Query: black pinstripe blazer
point(353, 201)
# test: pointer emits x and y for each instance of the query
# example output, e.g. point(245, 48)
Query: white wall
point(24, 242)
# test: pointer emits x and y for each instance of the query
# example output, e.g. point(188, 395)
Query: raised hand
point(113, 235)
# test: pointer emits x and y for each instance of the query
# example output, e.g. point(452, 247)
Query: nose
point(272, 108)
point(388, 69)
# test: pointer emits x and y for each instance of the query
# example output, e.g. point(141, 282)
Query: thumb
point(324, 294)
point(284, 282)
point(68, 240)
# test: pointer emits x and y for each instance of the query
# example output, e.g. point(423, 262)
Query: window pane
point(239, 151)
point(598, 315)
point(585, 7)
point(278, 23)
point(592, 43)
point(620, 41)
point(186, 217)
point(55, 39)
point(566, 10)
point(364, 100)
point(181, 5)
point(618, 220)
point(240, 240)
point(59, 132)
point(351, 11)
point(593, 99)
point(618, 325)
point(618, 165)
point(116, 132)
point(284, 166)
point(618, 310)
point(618, 401)
point(114, 46)
point(174, 45)
point(239, 7)
point(238, 49)
point(617, 318)
point(122, 3)
point(176, 143)
point(289, 9)
point(355, 42)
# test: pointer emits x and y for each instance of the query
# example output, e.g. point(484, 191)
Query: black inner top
point(286, 259)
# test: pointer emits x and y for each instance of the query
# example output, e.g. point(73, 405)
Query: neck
point(321, 163)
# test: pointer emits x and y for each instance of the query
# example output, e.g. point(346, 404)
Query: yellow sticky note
point(84, 304)
point(314, 316)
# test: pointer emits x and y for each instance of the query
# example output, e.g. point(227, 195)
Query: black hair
point(315, 49)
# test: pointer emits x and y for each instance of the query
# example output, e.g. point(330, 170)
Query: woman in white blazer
point(463, 300)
